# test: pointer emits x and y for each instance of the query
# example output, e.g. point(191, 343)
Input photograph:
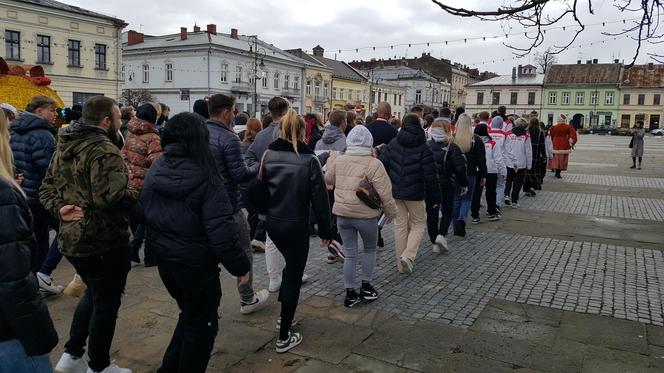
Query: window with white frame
point(552, 98)
point(238, 74)
point(224, 73)
point(609, 98)
point(317, 88)
point(593, 98)
point(146, 73)
point(350, 94)
point(169, 72)
point(264, 80)
point(276, 80)
point(580, 97)
point(296, 82)
point(286, 81)
point(326, 89)
point(334, 93)
point(565, 99)
point(122, 75)
point(418, 96)
point(341, 93)
point(308, 88)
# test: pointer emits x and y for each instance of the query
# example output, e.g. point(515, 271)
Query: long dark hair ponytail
point(192, 139)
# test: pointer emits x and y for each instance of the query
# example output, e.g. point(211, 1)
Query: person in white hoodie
point(519, 159)
point(495, 168)
point(498, 135)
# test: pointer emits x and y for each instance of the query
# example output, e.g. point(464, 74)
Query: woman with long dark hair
point(295, 181)
point(191, 230)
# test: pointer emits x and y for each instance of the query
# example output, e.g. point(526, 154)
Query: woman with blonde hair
point(26, 330)
point(472, 148)
point(294, 179)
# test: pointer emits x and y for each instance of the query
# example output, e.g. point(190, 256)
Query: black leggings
point(292, 240)
point(490, 185)
point(436, 226)
point(634, 160)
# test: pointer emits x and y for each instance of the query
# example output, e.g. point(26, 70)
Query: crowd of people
point(193, 195)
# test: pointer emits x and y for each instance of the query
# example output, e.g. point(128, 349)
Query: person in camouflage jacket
point(86, 188)
point(142, 145)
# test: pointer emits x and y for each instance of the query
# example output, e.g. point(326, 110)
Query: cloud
point(349, 24)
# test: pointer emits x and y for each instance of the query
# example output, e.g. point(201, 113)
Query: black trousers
point(256, 225)
point(436, 225)
point(514, 183)
point(42, 224)
point(532, 179)
point(292, 240)
point(542, 171)
point(96, 313)
point(197, 292)
point(490, 186)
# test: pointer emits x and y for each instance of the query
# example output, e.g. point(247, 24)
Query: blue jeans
point(14, 359)
point(462, 203)
point(53, 257)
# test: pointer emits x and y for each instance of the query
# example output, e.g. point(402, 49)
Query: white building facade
point(178, 69)
point(520, 93)
point(459, 83)
point(421, 88)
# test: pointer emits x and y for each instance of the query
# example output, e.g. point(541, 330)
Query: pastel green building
point(587, 94)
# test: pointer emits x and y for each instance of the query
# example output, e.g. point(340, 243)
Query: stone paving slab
point(596, 205)
point(611, 180)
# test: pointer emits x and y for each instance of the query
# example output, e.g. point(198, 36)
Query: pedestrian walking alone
point(410, 165)
point(563, 138)
point(294, 180)
point(519, 159)
point(638, 133)
point(354, 217)
point(450, 166)
point(191, 226)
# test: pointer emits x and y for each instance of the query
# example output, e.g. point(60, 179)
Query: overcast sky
point(349, 24)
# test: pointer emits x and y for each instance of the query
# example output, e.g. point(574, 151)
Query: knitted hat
point(359, 136)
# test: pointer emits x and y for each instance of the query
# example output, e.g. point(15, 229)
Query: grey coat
point(637, 139)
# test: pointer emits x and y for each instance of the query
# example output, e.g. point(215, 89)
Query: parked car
point(657, 132)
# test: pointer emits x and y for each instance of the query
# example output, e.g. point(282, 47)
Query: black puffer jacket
point(189, 219)
point(33, 144)
point(410, 165)
point(539, 147)
point(450, 162)
point(227, 153)
point(476, 159)
point(23, 315)
point(296, 182)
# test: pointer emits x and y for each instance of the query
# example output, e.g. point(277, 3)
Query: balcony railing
point(242, 87)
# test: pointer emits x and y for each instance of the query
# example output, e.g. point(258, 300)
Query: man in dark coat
point(382, 131)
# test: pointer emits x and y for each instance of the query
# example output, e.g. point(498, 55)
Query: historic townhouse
point(641, 90)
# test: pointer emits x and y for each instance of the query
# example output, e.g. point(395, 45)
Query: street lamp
point(258, 54)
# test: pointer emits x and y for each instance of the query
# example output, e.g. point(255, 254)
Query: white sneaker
point(515, 205)
point(71, 364)
point(274, 286)
point(305, 278)
point(441, 244)
point(406, 265)
point(258, 245)
point(293, 340)
point(260, 301)
point(46, 284)
point(111, 369)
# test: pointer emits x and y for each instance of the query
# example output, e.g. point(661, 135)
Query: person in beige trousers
point(412, 171)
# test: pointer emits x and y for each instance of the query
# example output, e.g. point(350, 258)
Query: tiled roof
point(341, 69)
point(650, 75)
point(607, 73)
point(534, 79)
point(72, 9)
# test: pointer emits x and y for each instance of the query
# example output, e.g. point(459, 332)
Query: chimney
point(513, 73)
point(234, 33)
point(212, 29)
point(595, 61)
point(650, 66)
point(197, 28)
point(616, 61)
point(183, 33)
point(134, 37)
point(578, 62)
point(318, 51)
point(519, 71)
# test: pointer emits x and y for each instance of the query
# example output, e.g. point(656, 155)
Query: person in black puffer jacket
point(27, 334)
point(33, 145)
point(451, 166)
point(472, 147)
point(409, 163)
point(294, 178)
point(191, 228)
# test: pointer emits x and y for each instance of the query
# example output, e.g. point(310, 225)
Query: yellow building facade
point(80, 50)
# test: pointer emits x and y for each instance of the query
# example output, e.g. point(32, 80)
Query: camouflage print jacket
point(87, 171)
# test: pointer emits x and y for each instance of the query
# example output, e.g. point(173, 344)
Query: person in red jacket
point(563, 137)
point(142, 147)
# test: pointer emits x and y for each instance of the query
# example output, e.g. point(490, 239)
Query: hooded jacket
point(33, 143)
point(295, 183)
point(410, 165)
point(23, 314)
point(519, 149)
point(495, 164)
point(227, 154)
point(333, 139)
point(189, 219)
point(142, 147)
point(476, 159)
point(87, 171)
point(450, 162)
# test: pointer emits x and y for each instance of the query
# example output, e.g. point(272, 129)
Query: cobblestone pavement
point(610, 180)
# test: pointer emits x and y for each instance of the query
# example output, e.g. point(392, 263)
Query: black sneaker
point(460, 228)
point(293, 340)
point(476, 220)
point(494, 217)
point(352, 298)
point(380, 243)
point(499, 212)
point(367, 292)
point(508, 201)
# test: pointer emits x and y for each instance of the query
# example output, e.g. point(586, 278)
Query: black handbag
point(368, 194)
point(631, 143)
point(258, 192)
